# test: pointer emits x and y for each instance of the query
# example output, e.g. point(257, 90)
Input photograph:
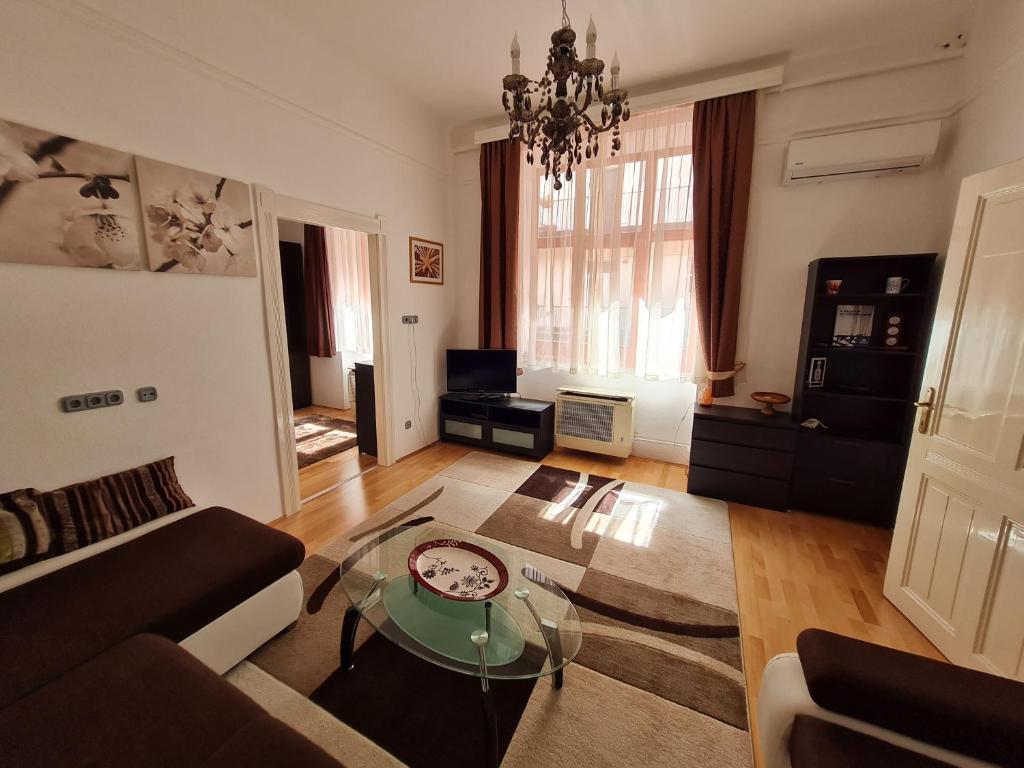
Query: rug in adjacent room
point(658, 680)
point(319, 437)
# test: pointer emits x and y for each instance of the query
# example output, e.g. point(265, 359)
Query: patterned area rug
point(317, 437)
point(658, 681)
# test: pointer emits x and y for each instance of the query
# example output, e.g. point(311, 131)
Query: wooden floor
point(336, 469)
point(793, 570)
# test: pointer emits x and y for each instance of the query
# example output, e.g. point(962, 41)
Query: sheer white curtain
point(606, 262)
point(348, 258)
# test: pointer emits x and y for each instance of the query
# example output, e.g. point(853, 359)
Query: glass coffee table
point(524, 628)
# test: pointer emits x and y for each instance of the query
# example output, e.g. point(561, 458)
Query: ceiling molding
point(104, 23)
point(753, 80)
point(783, 137)
point(858, 72)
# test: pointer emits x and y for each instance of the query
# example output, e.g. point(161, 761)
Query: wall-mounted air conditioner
point(595, 420)
point(858, 154)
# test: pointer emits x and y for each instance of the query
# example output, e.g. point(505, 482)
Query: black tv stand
point(511, 424)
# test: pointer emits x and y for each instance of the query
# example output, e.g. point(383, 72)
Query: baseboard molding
point(662, 450)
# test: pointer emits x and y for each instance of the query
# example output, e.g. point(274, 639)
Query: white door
point(956, 568)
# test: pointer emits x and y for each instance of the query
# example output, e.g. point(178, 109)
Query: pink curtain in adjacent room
point(723, 152)
point(348, 256)
point(319, 309)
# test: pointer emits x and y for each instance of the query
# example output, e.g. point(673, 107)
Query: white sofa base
point(224, 642)
point(784, 695)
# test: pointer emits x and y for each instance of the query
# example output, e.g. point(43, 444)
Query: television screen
point(482, 370)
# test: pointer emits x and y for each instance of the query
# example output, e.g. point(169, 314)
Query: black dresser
point(366, 410)
point(739, 454)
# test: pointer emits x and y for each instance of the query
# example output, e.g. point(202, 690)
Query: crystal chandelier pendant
point(551, 115)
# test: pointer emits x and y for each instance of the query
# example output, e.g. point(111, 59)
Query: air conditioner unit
point(859, 154)
point(595, 420)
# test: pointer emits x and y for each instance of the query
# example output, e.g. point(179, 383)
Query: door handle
point(924, 408)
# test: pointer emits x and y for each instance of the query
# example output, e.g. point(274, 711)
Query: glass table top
point(528, 629)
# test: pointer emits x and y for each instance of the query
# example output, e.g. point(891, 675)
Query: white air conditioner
point(859, 154)
point(595, 420)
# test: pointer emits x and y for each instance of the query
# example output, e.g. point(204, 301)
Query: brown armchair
point(842, 702)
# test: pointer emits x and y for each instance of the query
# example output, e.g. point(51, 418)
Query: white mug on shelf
point(896, 284)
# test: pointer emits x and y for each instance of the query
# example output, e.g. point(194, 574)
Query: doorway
point(325, 286)
point(323, 290)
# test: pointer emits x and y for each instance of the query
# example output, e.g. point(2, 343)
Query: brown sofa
point(841, 702)
point(147, 702)
point(91, 673)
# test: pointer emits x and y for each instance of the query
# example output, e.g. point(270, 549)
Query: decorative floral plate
point(458, 570)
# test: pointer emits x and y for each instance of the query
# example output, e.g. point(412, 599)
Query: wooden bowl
point(770, 399)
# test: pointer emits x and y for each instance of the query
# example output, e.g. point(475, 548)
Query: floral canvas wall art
point(66, 202)
point(426, 261)
point(196, 223)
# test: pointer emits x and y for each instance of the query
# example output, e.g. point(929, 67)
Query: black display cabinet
point(859, 377)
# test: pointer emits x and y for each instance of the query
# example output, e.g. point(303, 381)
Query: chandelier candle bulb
point(561, 127)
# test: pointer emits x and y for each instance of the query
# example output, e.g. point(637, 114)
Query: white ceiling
point(452, 54)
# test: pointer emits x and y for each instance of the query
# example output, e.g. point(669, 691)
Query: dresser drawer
point(852, 459)
point(772, 438)
point(738, 458)
point(872, 500)
point(736, 486)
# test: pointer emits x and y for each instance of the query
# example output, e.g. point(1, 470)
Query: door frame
point(269, 208)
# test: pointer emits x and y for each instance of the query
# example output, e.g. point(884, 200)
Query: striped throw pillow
point(84, 513)
point(24, 533)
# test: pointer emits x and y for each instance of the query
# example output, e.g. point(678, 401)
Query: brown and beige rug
point(318, 437)
point(658, 681)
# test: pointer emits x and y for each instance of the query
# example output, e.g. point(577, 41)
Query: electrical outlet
point(408, 424)
point(146, 394)
point(96, 400)
point(72, 403)
point(92, 400)
point(410, 319)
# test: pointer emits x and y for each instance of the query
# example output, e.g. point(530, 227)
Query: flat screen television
point(482, 371)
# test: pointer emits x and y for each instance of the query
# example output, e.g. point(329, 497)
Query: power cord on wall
point(416, 384)
point(687, 412)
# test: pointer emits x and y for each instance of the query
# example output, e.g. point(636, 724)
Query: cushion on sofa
point(960, 709)
point(147, 702)
point(24, 531)
point(816, 743)
point(171, 582)
point(84, 513)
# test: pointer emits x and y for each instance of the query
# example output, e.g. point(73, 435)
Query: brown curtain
point(723, 151)
point(319, 311)
point(499, 243)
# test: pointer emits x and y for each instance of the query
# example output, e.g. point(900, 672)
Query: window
point(606, 262)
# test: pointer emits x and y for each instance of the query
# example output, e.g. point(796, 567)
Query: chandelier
point(551, 114)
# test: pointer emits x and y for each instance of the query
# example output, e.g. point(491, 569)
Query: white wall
point(788, 227)
point(154, 82)
point(989, 128)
